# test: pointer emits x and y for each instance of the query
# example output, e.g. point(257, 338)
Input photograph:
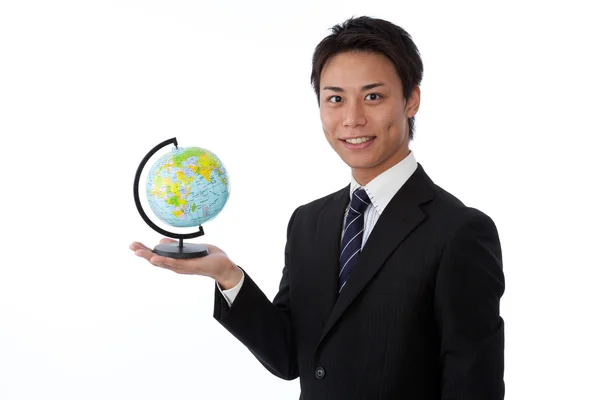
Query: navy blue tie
point(353, 233)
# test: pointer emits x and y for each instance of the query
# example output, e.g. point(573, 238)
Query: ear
point(414, 102)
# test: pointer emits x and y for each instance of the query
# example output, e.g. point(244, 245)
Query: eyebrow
point(370, 86)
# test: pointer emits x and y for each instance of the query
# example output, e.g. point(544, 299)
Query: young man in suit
point(391, 286)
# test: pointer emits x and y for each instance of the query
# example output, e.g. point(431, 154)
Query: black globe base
point(179, 250)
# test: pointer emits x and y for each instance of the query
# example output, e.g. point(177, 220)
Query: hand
point(215, 265)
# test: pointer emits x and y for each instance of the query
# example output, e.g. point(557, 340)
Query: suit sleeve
point(264, 327)
point(469, 285)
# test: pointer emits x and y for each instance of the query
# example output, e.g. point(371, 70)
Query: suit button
point(320, 373)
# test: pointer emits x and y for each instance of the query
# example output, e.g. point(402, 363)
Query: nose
point(354, 114)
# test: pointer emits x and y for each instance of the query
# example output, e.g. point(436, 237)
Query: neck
point(365, 175)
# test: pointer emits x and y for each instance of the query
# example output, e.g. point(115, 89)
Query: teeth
point(358, 140)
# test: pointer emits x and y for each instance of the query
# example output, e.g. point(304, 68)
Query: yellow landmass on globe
point(204, 167)
point(186, 180)
point(170, 190)
point(157, 184)
point(207, 164)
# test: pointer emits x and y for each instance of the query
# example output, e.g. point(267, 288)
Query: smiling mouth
point(358, 140)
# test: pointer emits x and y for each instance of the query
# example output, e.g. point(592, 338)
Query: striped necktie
point(353, 233)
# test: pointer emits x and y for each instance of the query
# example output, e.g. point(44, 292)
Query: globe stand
point(180, 250)
point(177, 250)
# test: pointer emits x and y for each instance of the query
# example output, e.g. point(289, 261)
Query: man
point(391, 286)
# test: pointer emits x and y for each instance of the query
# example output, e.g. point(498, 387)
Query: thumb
point(167, 240)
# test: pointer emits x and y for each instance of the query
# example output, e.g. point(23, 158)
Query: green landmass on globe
point(187, 187)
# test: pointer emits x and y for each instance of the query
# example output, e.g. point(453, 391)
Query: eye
point(373, 96)
point(334, 99)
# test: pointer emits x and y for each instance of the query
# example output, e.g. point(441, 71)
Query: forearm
point(262, 326)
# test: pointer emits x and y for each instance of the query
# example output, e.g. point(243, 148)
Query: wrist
point(230, 278)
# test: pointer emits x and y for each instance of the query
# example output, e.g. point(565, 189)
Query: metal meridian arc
point(138, 204)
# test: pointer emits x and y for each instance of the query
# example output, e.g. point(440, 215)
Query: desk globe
point(186, 187)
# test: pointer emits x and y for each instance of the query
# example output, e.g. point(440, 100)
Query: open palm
point(215, 264)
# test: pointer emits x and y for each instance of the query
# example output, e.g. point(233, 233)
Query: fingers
point(165, 262)
point(158, 261)
point(137, 245)
point(147, 254)
point(141, 250)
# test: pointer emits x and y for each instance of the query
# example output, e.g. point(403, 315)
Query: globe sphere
point(187, 187)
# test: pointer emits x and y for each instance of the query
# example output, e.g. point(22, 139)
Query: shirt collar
point(385, 185)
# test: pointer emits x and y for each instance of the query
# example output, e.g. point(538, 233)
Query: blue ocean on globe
point(187, 187)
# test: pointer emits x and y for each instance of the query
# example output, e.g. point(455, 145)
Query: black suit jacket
point(418, 318)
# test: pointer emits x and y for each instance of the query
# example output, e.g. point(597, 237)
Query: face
point(364, 113)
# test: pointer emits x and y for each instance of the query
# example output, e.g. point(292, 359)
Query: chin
point(355, 163)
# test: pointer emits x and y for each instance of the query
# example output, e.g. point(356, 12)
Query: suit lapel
point(402, 215)
point(327, 246)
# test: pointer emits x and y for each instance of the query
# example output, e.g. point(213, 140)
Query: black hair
point(372, 35)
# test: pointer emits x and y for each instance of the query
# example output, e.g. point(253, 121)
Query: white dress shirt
point(380, 190)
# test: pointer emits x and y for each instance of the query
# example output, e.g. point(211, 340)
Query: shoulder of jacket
point(319, 203)
point(457, 212)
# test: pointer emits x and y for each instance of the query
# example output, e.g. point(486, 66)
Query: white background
point(508, 123)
